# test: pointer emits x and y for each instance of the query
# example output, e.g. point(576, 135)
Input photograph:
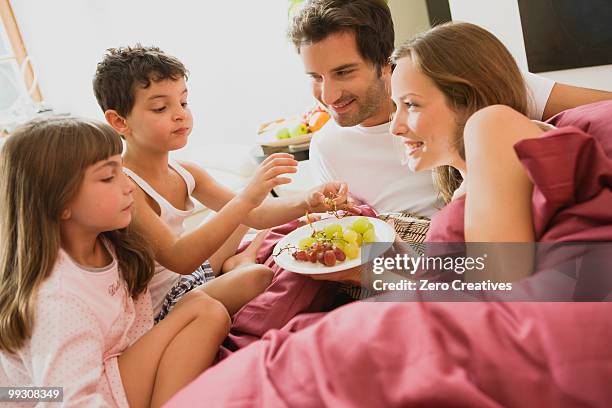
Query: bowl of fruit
point(292, 131)
point(333, 244)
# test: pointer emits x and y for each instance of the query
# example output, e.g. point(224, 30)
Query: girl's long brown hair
point(474, 70)
point(41, 167)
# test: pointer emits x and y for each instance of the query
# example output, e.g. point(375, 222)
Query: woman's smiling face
point(423, 119)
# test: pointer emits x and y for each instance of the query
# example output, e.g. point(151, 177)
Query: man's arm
point(564, 97)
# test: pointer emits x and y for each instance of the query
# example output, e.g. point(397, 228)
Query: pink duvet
point(423, 354)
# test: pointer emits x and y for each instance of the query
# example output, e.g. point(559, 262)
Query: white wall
point(410, 17)
point(502, 18)
point(243, 70)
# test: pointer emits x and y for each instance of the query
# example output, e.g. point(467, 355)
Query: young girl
point(143, 94)
point(74, 307)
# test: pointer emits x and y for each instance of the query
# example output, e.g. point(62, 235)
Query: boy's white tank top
point(164, 279)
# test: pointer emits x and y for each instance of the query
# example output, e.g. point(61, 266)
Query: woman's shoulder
point(483, 135)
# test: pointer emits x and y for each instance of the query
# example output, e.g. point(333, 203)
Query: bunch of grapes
point(334, 244)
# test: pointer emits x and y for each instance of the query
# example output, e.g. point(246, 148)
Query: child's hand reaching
point(267, 177)
point(332, 196)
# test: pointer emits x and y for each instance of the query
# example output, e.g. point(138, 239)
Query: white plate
point(384, 232)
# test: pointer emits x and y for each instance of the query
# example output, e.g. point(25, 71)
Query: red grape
point(340, 256)
point(329, 258)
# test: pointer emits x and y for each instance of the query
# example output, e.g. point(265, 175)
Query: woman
point(448, 114)
point(463, 107)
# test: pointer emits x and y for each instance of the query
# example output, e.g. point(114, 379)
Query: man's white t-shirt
point(368, 161)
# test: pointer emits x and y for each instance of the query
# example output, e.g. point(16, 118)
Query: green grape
point(351, 236)
point(283, 133)
point(340, 244)
point(306, 243)
point(362, 224)
point(369, 236)
point(351, 250)
point(333, 230)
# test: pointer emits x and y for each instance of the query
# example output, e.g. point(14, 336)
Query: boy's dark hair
point(123, 68)
point(370, 20)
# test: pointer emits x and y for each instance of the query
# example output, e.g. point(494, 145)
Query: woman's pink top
point(84, 319)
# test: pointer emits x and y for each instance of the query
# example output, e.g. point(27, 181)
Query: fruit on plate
point(369, 236)
point(361, 225)
point(306, 243)
point(332, 244)
point(333, 230)
point(352, 236)
point(299, 130)
point(286, 128)
point(317, 120)
point(283, 133)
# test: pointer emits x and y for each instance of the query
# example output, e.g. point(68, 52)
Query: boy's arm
point(207, 191)
point(277, 211)
point(273, 211)
point(564, 97)
point(184, 254)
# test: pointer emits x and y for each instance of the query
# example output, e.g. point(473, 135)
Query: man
point(345, 46)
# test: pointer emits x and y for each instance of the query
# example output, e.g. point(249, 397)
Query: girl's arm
point(67, 351)
point(273, 211)
point(498, 200)
point(184, 254)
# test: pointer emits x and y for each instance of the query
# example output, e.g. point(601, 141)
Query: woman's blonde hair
point(474, 70)
point(41, 168)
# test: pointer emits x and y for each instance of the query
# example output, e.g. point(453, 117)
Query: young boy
point(143, 94)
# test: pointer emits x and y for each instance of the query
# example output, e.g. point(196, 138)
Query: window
point(18, 88)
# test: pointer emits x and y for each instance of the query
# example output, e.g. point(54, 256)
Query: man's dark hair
point(123, 68)
point(370, 20)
